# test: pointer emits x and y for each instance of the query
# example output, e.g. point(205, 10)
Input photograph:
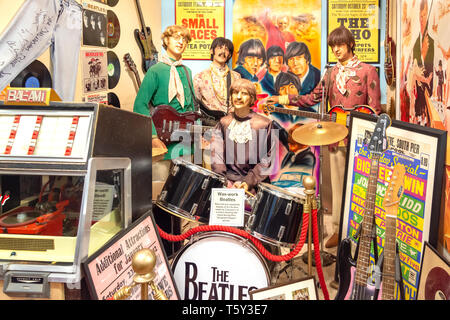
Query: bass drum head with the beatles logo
point(219, 266)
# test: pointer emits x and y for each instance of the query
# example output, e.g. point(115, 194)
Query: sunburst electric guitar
point(391, 200)
point(337, 114)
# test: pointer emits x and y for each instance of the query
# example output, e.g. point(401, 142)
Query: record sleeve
point(95, 71)
point(94, 28)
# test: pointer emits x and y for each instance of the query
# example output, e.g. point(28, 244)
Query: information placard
point(227, 207)
point(110, 268)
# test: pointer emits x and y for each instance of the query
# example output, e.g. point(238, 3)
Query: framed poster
point(434, 281)
point(110, 269)
point(362, 18)
point(205, 20)
point(303, 289)
point(422, 151)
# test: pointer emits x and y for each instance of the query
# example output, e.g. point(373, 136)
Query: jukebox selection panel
point(47, 135)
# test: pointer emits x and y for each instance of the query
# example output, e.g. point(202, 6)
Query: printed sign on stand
point(110, 268)
point(227, 207)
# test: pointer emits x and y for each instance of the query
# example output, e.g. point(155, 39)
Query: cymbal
point(320, 133)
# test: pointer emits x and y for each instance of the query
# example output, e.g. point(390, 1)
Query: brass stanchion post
point(309, 183)
point(143, 264)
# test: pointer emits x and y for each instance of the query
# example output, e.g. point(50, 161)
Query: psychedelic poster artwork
point(424, 79)
point(277, 46)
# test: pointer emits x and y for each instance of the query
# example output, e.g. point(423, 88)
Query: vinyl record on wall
point(113, 100)
point(35, 75)
point(113, 69)
point(113, 29)
point(112, 3)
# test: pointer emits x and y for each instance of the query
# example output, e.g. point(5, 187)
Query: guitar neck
point(141, 16)
point(363, 261)
point(388, 292)
point(138, 78)
point(306, 114)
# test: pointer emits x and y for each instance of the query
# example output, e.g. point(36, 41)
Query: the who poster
point(277, 46)
point(424, 79)
point(418, 209)
point(361, 17)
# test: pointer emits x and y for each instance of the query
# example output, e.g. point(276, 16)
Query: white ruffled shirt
point(240, 131)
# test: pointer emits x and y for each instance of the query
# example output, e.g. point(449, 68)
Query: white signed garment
point(38, 25)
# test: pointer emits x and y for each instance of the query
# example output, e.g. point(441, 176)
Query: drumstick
point(250, 194)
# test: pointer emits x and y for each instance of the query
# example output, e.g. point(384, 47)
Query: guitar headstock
point(395, 188)
point(378, 142)
point(130, 63)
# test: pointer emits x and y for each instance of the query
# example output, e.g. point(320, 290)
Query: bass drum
point(219, 266)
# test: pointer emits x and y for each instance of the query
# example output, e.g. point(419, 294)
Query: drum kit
point(224, 265)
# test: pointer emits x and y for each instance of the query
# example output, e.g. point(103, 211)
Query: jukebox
point(68, 184)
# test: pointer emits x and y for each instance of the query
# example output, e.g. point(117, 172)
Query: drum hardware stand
point(309, 183)
point(143, 264)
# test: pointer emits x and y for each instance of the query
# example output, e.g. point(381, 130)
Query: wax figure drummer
point(349, 83)
point(243, 142)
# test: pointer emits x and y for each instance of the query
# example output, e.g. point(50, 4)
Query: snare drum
point(276, 216)
point(219, 266)
point(187, 190)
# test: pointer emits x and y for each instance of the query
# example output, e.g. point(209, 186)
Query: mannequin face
point(221, 55)
point(241, 99)
point(298, 65)
point(176, 44)
point(342, 53)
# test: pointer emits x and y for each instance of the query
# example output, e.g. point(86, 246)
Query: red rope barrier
point(268, 255)
point(244, 234)
point(317, 255)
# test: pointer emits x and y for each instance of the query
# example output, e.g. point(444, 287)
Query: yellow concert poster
point(205, 20)
point(362, 18)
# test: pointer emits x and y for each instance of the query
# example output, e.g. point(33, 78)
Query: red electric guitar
point(337, 114)
point(167, 121)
